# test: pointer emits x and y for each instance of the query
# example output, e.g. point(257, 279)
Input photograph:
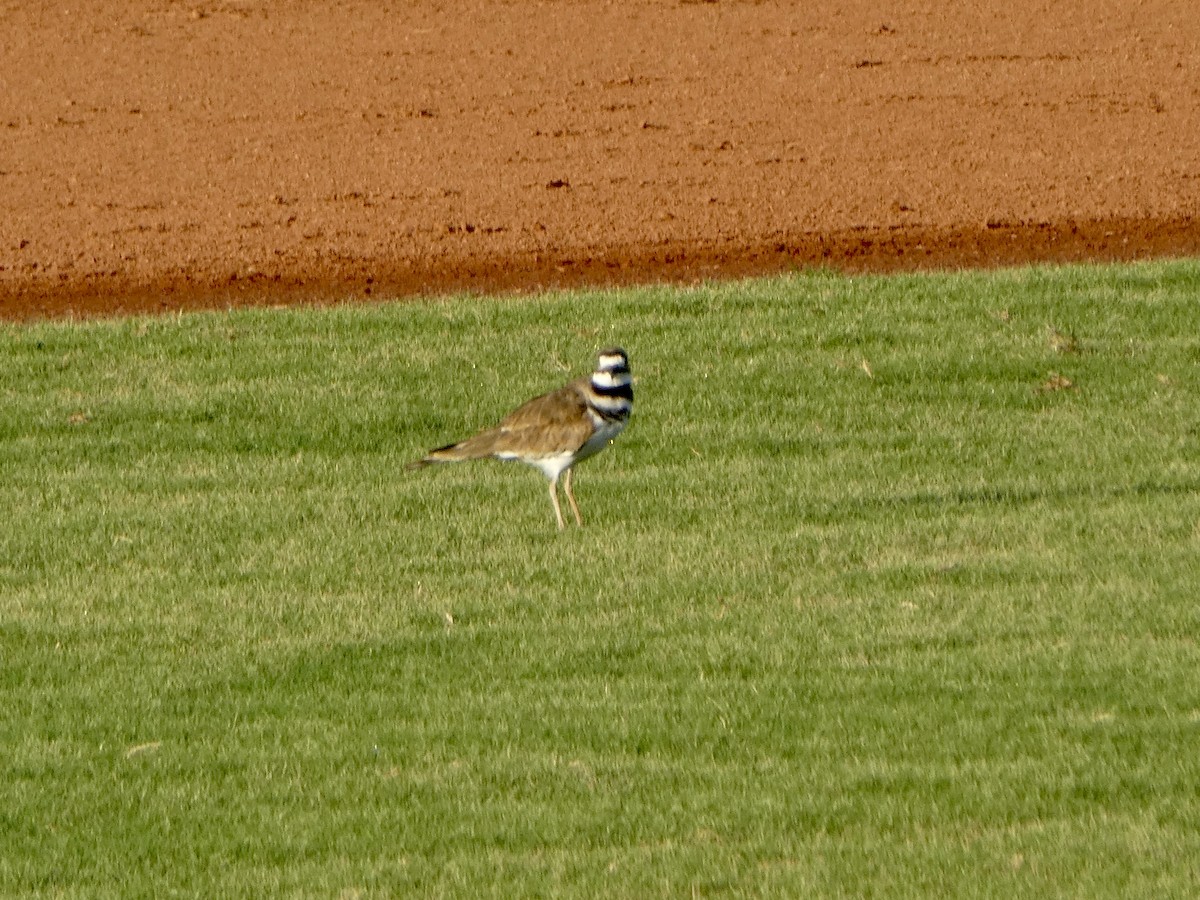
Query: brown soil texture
point(161, 155)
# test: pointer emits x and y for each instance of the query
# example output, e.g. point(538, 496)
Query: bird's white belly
point(551, 465)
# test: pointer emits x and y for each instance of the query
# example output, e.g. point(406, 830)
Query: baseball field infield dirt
point(159, 155)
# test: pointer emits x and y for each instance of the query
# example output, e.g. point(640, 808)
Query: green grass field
point(891, 588)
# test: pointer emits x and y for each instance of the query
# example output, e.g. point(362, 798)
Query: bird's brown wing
point(552, 423)
point(556, 422)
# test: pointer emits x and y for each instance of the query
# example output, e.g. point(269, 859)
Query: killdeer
point(556, 430)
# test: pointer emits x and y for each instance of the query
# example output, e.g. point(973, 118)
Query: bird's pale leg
point(571, 498)
point(554, 500)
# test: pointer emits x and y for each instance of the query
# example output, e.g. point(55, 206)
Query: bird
point(556, 430)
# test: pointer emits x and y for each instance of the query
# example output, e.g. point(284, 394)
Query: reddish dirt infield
point(163, 155)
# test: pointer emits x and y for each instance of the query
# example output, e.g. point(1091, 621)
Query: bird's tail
point(471, 448)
